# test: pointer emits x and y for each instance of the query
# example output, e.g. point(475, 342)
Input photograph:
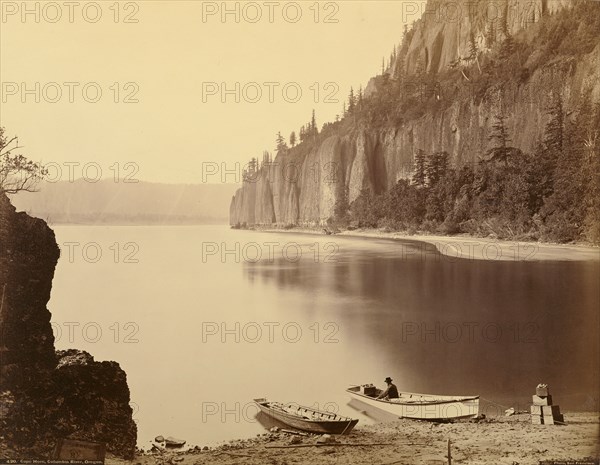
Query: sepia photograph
point(312, 232)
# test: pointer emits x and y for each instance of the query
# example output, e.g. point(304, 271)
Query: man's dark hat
point(388, 380)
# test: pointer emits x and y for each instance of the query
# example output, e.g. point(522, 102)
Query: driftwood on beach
point(333, 444)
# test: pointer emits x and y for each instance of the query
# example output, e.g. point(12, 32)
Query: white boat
point(418, 406)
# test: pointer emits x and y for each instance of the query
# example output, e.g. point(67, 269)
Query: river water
point(204, 319)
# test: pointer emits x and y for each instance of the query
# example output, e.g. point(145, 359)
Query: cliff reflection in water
point(456, 326)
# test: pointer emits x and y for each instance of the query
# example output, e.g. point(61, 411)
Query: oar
point(349, 423)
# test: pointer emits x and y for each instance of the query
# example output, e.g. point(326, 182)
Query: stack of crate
point(542, 410)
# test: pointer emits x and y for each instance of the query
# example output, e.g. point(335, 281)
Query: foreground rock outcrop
point(47, 395)
point(28, 256)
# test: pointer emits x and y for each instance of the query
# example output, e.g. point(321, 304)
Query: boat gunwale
point(435, 402)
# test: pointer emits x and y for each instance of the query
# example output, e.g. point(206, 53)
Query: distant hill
point(107, 202)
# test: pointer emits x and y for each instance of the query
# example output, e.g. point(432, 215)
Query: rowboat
point(418, 406)
point(306, 418)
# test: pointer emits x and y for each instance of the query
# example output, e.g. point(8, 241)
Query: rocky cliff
point(28, 255)
point(446, 29)
point(301, 187)
point(47, 395)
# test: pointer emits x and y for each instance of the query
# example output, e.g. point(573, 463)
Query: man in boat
point(391, 392)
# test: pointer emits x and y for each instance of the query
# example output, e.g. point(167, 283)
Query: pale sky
point(169, 56)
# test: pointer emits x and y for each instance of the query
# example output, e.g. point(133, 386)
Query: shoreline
point(498, 441)
point(470, 247)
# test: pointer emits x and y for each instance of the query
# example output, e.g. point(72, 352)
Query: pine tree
point(507, 49)
point(341, 207)
point(504, 24)
point(566, 212)
point(293, 139)
point(591, 172)
point(490, 37)
point(500, 151)
point(351, 101)
point(419, 177)
point(281, 145)
point(547, 154)
point(266, 158)
point(473, 51)
point(554, 134)
point(252, 167)
point(436, 167)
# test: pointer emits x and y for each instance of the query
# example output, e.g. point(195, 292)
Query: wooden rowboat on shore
point(418, 406)
point(306, 418)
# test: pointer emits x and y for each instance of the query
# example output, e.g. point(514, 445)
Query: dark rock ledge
point(45, 394)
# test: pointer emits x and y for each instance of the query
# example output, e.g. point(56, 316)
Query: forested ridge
point(550, 192)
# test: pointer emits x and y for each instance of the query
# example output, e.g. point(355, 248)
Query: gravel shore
point(498, 441)
point(472, 248)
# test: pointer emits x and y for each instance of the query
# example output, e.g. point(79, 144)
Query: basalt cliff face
point(47, 395)
point(302, 188)
point(446, 28)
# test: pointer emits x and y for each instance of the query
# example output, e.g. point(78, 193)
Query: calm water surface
point(210, 318)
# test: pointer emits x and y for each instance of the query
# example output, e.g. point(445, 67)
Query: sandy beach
point(504, 440)
point(473, 248)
